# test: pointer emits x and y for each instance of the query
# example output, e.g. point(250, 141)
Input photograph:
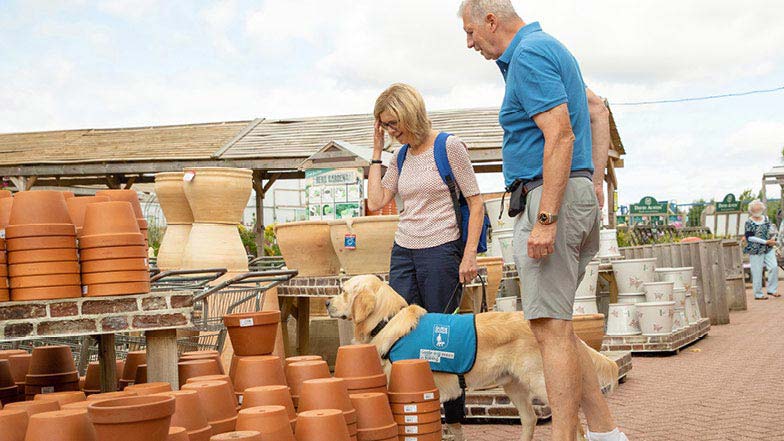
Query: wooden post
point(162, 357)
point(303, 325)
point(258, 228)
point(107, 359)
point(609, 201)
point(84, 353)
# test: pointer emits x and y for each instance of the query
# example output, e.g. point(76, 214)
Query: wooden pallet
point(666, 344)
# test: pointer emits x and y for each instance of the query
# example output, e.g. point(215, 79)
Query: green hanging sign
point(649, 205)
point(728, 205)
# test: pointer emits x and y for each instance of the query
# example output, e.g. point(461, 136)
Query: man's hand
point(599, 189)
point(468, 268)
point(541, 241)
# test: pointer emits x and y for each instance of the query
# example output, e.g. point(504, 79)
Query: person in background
point(760, 241)
point(429, 259)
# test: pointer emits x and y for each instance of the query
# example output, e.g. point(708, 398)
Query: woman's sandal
point(761, 298)
point(774, 295)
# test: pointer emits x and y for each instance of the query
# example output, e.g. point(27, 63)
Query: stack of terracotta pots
point(92, 379)
point(179, 218)
point(272, 422)
point(415, 400)
point(329, 393)
point(375, 421)
point(252, 333)
point(207, 354)
point(189, 414)
point(19, 362)
point(217, 400)
point(217, 197)
point(14, 424)
point(132, 362)
point(197, 368)
point(301, 371)
point(113, 251)
point(52, 369)
point(8, 389)
point(264, 370)
point(270, 396)
point(77, 207)
point(360, 367)
point(41, 244)
point(131, 197)
point(132, 418)
point(322, 425)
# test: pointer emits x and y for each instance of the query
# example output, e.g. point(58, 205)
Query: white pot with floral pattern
point(587, 287)
point(682, 277)
point(608, 244)
point(630, 275)
point(658, 291)
point(655, 317)
point(622, 319)
point(585, 305)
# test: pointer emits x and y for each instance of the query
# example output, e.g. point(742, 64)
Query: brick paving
point(727, 386)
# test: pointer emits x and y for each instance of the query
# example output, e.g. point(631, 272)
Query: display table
point(157, 314)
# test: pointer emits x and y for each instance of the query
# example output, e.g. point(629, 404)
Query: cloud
point(133, 9)
point(219, 17)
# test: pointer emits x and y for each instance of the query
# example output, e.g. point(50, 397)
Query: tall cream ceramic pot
point(375, 236)
point(307, 248)
point(171, 196)
point(218, 195)
point(172, 250)
point(215, 246)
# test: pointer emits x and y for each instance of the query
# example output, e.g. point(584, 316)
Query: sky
point(119, 63)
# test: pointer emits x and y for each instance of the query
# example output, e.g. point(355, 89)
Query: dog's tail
point(606, 370)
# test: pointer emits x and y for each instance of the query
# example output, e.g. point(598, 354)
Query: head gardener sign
point(649, 205)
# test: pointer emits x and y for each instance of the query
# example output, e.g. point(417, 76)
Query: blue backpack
point(458, 201)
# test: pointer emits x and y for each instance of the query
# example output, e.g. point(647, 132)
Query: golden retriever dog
point(507, 352)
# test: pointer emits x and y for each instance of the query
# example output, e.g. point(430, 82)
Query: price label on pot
point(350, 241)
point(188, 176)
point(2, 233)
point(47, 389)
point(411, 419)
point(411, 438)
point(412, 429)
point(246, 322)
point(410, 408)
point(84, 290)
point(429, 396)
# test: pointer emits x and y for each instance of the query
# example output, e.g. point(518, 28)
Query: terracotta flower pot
point(14, 424)
point(51, 360)
point(112, 395)
point(130, 196)
point(325, 393)
point(277, 395)
point(39, 230)
point(78, 206)
point(307, 247)
point(116, 277)
point(301, 371)
point(374, 416)
point(19, 365)
point(40, 243)
point(421, 429)
point(258, 371)
point(132, 362)
point(39, 207)
point(172, 248)
point(196, 368)
point(50, 255)
point(218, 195)
point(215, 245)
point(298, 358)
point(5, 211)
point(6, 376)
point(418, 418)
point(115, 265)
point(360, 366)
point(415, 408)
point(116, 289)
point(252, 333)
point(216, 377)
point(189, 414)
point(375, 236)
point(5, 354)
point(45, 281)
point(68, 194)
point(63, 398)
point(144, 418)
point(321, 425)
point(33, 407)
point(411, 376)
point(46, 293)
point(104, 218)
point(43, 268)
point(271, 421)
point(199, 355)
point(434, 436)
point(61, 425)
point(177, 434)
point(141, 374)
point(217, 399)
point(245, 435)
point(111, 240)
point(103, 253)
point(149, 388)
point(590, 329)
point(171, 197)
point(370, 390)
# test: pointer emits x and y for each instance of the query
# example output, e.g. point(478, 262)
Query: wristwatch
point(546, 218)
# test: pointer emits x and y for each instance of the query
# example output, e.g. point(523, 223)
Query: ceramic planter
point(695, 315)
point(149, 388)
point(14, 424)
point(587, 287)
point(171, 197)
point(189, 414)
point(217, 400)
point(272, 422)
point(307, 247)
point(679, 320)
point(215, 245)
point(218, 195)
point(196, 368)
point(115, 265)
point(33, 407)
point(679, 297)
point(244, 435)
point(172, 248)
point(585, 305)
point(321, 425)
point(49, 255)
point(655, 317)
point(63, 398)
point(374, 237)
point(258, 371)
point(134, 418)
point(658, 291)
point(498, 219)
point(116, 289)
point(374, 417)
point(270, 396)
point(130, 196)
point(252, 333)
point(495, 272)
point(622, 319)
point(682, 277)
point(301, 371)
point(608, 244)
point(590, 329)
point(39, 207)
point(77, 208)
point(631, 274)
point(632, 298)
point(177, 434)
point(103, 253)
point(62, 425)
point(504, 237)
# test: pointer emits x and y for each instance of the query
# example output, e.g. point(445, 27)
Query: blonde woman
point(429, 258)
point(760, 239)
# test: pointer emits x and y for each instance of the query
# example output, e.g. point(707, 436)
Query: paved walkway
point(728, 386)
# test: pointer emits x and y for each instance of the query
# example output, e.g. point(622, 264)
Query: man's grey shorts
point(548, 284)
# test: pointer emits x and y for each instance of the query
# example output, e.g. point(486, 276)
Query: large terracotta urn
point(177, 210)
point(371, 250)
point(307, 247)
point(590, 329)
point(218, 195)
point(215, 246)
point(172, 249)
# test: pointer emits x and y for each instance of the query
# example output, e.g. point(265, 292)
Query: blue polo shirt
point(540, 74)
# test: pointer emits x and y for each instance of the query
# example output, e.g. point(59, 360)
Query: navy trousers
point(430, 278)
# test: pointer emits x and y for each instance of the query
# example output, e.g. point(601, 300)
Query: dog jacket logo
point(447, 341)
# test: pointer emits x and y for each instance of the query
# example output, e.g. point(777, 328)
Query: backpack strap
point(401, 156)
point(445, 170)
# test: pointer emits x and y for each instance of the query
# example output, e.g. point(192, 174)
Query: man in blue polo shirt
point(548, 115)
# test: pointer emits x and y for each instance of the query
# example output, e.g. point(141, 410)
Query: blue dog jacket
point(447, 341)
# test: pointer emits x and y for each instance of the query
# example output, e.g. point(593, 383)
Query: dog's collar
point(374, 332)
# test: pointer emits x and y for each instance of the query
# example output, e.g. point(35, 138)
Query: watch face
point(542, 218)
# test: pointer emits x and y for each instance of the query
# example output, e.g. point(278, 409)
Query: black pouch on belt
point(517, 195)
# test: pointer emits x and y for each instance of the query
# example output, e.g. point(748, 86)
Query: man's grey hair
point(754, 204)
point(478, 9)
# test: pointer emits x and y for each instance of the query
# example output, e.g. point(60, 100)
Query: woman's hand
point(771, 242)
point(468, 268)
point(378, 137)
